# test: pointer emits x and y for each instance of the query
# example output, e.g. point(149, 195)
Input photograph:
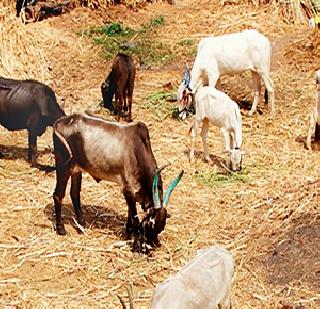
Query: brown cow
point(115, 152)
point(120, 82)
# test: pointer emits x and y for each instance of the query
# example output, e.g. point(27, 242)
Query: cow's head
point(108, 89)
point(155, 220)
point(184, 94)
point(235, 159)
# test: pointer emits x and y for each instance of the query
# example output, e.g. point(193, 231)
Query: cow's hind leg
point(119, 105)
point(59, 194)
point(270, 88)
point(256, 85)
point(75, 196)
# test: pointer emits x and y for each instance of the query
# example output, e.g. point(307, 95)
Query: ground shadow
point(292, 259)
point(246, 105)
point(10, 152)
point(96, 217)
point(215, 160)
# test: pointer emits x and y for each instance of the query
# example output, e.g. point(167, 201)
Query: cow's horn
point(186, 76)
point(172, 185)
point(155, 192)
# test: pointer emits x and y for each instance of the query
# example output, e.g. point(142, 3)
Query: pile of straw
point(267, 216)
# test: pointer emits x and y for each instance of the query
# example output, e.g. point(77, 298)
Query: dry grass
point(268, 216)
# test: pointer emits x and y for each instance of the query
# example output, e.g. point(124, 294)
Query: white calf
point(204, 282)
point(215, 107)
point(314, 121)
point(229, 54)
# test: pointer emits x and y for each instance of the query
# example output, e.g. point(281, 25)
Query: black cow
point(28, 104)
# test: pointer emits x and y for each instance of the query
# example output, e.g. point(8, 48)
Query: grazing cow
point(204, 282)
point(28, 104)
point(114, 152)
point(120, 82)
point(314, 117)
point(229, 54)
point(215, 107)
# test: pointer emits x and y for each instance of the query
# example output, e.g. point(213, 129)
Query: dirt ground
point(268, 217)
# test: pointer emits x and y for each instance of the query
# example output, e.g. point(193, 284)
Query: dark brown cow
point(115, 152)
point(28, 104)
point(120, 82)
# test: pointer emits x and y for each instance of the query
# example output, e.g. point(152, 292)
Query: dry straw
point(268, 216)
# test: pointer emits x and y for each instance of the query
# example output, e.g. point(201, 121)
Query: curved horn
point(186, 76)
point(155, 192)
point(172, 185)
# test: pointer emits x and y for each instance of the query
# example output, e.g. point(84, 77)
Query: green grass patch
point(143, 42)
point(218, 179)
point(162, 106)
point(157, 103)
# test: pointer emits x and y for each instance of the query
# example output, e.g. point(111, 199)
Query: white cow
point(314, 117)
point(204, 282)
point(229, 54)
point(215, 107)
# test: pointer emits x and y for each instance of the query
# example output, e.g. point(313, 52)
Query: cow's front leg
point(59, 193)
point(129, 224)
point(75, 197)
point(32, 147)
point(133, 224)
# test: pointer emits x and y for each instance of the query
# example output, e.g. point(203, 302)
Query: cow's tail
point(58, 136)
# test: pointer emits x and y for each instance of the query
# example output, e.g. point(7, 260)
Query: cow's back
point(211, 272)
point(107, 150)
point(23, 100)
point(234, 52)
point(202, 283)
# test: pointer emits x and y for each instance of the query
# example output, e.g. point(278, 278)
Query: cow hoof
point(61, 230)
point(136, 247)
point(145, 250)
point(81, 221)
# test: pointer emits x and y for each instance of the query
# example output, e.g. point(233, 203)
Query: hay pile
point(267, 216)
